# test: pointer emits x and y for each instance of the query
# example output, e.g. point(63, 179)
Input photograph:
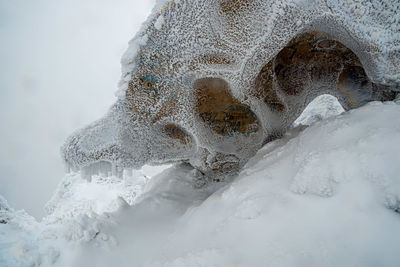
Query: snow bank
point(323, 195)
point(327, 195)
point(76, 213)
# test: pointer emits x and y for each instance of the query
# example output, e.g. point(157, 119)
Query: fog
point(60, 65)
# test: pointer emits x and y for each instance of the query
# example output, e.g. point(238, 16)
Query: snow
point(327, 194)
point(321, 107)
point(159, 22)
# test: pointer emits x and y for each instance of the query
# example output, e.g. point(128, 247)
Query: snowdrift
point(323, 195)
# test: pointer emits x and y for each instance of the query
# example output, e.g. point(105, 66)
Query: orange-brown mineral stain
point(264, 88)
point(218, 109)
point(213, 59)
point(228, 6)
point(175, 132)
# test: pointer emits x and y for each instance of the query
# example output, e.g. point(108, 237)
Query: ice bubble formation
point(209, 82)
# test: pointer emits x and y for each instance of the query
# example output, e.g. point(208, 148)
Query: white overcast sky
point(59, 69)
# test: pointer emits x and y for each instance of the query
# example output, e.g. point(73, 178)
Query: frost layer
point(209, 82)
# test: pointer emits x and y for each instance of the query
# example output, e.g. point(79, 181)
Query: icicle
point(74, 169)
point(128, 172)
point(105, 168)
point(93, 169)
point(85, 174)
point(120, 172)
point(67, 168)
point(96, 168)
point(114, 169)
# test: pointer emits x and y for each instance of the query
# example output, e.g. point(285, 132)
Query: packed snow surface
point(327, 194)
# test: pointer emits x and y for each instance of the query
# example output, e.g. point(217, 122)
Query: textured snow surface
point(323, 195)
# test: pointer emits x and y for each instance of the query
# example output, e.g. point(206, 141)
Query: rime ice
point(210, 82)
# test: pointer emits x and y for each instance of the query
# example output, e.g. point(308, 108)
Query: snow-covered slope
point(323, 195)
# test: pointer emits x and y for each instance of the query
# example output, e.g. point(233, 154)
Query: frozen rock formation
point(209, 82)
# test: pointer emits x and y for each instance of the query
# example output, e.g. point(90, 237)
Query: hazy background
point(59, 69)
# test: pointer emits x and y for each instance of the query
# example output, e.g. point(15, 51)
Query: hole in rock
point(219, 110)
point(178, 133)
point(312, 64)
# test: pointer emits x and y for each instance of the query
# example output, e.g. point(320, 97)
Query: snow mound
point(77, 212)
point(322, 107)
point(327, 195)
point(323, 195)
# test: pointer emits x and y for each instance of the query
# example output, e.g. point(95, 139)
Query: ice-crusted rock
point(209, 82)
